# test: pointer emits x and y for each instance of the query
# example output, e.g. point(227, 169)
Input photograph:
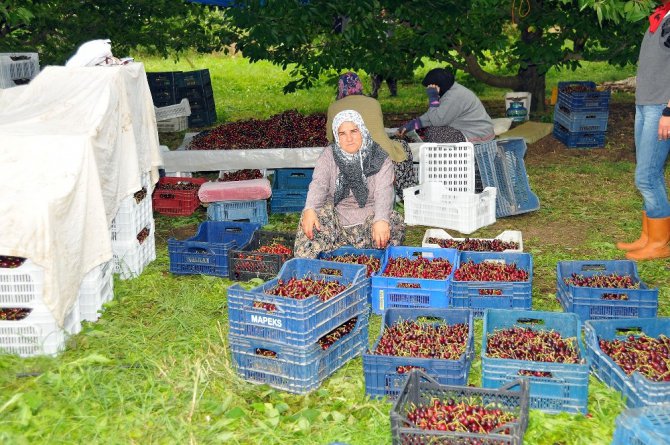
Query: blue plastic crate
point(514, 150)
point(297, 322)
point(389, 292)
point(589, 303)
point(586, 139)
point(583, 101)
point(295, 369)
point(349, 250)
point(239, 211)
point(292, 178)
point(566, 389)
point(493, 172)
point(636, 388)
point(207, 252)
point(643, 426)
point(382, 378)
point(576, 121)
point(513, 295)
point(288, 201)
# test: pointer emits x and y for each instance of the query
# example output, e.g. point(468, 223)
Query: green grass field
point(156, 367)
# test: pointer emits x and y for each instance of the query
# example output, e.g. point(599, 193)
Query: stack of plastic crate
point(18, 68)
point(196, 86)
point(173, 118)
point(27, 326)
point(163, 87)
point(132, 233)
point(289, 189)
point(446, 197)
point(97, 288)
point(580, 114)
point(284, 342)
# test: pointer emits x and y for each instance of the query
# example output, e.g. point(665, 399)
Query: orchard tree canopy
point(504, 43)
point(56, 28)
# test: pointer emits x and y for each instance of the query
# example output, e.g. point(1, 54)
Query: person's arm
point(384, 195)
point(433, 93)
point(664, 124)
point(318, 192)
point(329, 123)
point(448, 109)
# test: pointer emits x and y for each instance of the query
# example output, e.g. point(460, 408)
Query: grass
point(156, 367)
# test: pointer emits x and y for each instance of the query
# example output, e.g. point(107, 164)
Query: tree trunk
point(533, 82)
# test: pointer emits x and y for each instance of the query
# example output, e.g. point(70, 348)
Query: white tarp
point(73, 144)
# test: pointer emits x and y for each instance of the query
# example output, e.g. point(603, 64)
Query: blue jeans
point(651, 154)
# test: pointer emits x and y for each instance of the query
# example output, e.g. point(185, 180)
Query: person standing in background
point(652, 138)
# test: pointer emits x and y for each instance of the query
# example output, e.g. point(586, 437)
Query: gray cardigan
point(461, 109)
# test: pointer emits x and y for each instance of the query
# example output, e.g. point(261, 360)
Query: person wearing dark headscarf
point(350, 199)
point(350, 97)
point(455, 114)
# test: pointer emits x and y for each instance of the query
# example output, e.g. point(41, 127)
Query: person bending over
point(350, 199)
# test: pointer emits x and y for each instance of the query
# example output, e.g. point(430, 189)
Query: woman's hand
point(664, 128)
point(310, 222)
point(381, 233)
point(437, 87)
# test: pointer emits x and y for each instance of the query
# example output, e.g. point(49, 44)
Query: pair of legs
point(332, 235)
point(651, 154)
point(378, 79)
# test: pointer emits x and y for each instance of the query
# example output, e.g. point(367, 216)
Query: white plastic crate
point(17, 67)
point(432, 204)
point(22, 286)
point(172, 125)
point(96, 288)
point(131, 217)
point(131, 257)
point(513, 236)
point(182, 109)
point(450, 164)
point(38, 333)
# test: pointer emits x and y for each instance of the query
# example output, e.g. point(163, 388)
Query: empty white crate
point(96, 288)
point(450, 164)
point(513, 236)
point(432, 204)
point(131, 257)
point(173, 117)
point(18, 67)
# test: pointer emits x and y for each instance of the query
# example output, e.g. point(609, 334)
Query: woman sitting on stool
point(350, 199)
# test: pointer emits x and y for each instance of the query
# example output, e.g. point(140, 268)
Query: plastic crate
point(492, 171)
point(580, 121)
point(349, 250)
point(38, 333)
point(193, 78)
point(22, 286)
point(292, 178)
point(513, 295)
point(391, 292)
point(381, 371)
point(131, 257)
point(163, 87)
point(288, 201)
point(172, 125)
point(182, 109)
point(243, 264)
point(240, 211)
point(453, 165)
point(637, 389)
point(589, 302)
point(514, 236)
point(131, 217)
point(587, 139)
point(297, 322)
point(566, 389)
point(643, 426)
point(96, 288)
point(430, 204)
point(583, 101)
point(295, 369)
point(422, 389)
point(18, 68)
point(176, 202)
point(207, 252)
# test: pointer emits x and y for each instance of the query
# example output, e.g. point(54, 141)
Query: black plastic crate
point(167, 79)
point(423, 389)
point(244, 264)
point(197, 78)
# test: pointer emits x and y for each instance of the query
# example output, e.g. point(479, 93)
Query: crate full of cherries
point(262, 257)
point(370, 258)
point(506, 241)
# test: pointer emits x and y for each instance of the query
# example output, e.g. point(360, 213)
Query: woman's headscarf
point(440, 77)
point(349, 84)
point(357, 167)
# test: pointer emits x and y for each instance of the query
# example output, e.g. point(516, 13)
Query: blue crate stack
point(289, 189)
point(274, 340)
point(580, 117)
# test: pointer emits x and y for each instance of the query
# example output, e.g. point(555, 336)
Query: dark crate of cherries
point(177, 196)
point(428, 412)
point(544, 347)
point(492, 280)
point(413, 277)
point(632, 356)
point(262, 257)
point(439, 342)
point(604, 290)
point(305, 301)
